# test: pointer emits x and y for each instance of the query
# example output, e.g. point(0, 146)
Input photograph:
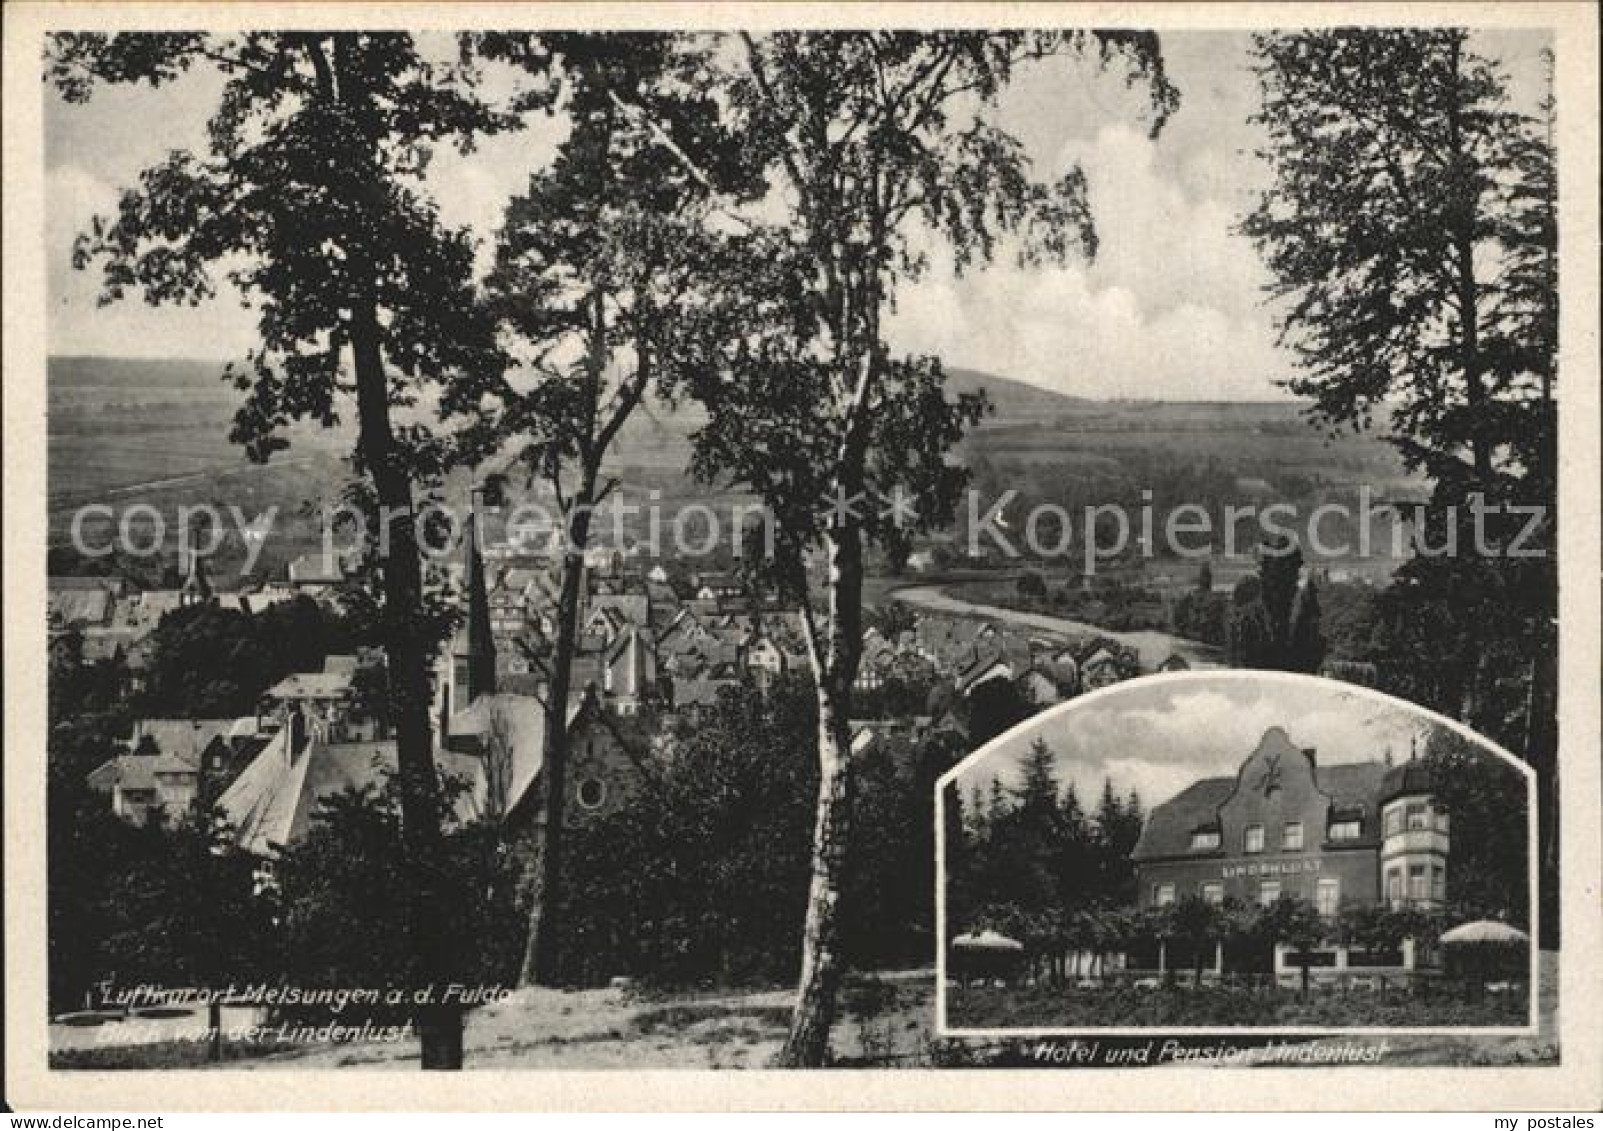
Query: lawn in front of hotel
point(1179, 1004)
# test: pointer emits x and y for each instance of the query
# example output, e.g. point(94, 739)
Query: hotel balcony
point(1411, 842)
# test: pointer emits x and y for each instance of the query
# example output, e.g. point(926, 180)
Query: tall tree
point(1305, 642)
point(1038, 787)
point(597, 265)
point(1273, 620)
point(1412, 233)
point(1249, 631)
point(1411, 230)
point(1395, 154)
point(309, 194)
point(872, 135)
point(1279, 571)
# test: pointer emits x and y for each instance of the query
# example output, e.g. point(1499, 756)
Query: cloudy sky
point(1158, 739)
point(1171, 308)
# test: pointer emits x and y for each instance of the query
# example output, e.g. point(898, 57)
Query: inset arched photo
point(1242, 851)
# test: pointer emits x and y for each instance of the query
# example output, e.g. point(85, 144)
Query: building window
point(1394, 821)
point(1291, 837)
point(1441, 820)
point(592, 792)
point(1213, 893)
point(1253, 841)
point(1417, 883)
point(1350, 829)
point(1328, 896)
point(1438, 883)
point(1203, 839)
point(1268, 891)
point(1394, 885)
point(1418, 817)
point(1163, 895)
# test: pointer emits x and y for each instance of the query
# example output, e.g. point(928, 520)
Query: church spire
point(481, 642)
point(197, 588)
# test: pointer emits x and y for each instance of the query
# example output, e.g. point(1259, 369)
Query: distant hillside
point(129, 430)
point(70, 372)
point(1014, 399)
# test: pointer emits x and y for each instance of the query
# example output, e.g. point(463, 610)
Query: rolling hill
point(118, 426)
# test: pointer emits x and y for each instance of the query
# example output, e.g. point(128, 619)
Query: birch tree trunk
point(835, 668)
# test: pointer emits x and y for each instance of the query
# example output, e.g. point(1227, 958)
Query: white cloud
point(78, 324)
point(1171, 306)
point(73, 197)
point(1159, 739)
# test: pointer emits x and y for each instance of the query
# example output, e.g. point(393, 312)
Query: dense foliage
point(1028, 857)
point(702, 878)
point(1274, 618)
point(211, 662)
point(171, 904)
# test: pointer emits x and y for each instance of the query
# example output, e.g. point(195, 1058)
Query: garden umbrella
point(1484, 932)
point(986, 941)
point(1492, 943)
point(986, 953)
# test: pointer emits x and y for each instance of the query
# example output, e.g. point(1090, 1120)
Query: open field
point(1257, 439)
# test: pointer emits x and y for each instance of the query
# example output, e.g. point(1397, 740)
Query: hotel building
point(1349, 833)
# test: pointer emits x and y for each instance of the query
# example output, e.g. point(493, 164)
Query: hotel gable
point(1350, 833)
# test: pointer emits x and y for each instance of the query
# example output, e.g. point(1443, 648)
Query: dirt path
point(887, 1017)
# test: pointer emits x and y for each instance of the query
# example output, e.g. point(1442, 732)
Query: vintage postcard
point(622, 555)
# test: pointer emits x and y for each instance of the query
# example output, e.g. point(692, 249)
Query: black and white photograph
point(1248, 852)
point(680, 541)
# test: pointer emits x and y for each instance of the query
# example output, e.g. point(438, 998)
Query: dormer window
point(1347, 829)
point(1204, 840)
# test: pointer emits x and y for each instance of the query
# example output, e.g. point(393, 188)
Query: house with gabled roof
point(277, 798)
point(169, 764)
point(983, 667)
